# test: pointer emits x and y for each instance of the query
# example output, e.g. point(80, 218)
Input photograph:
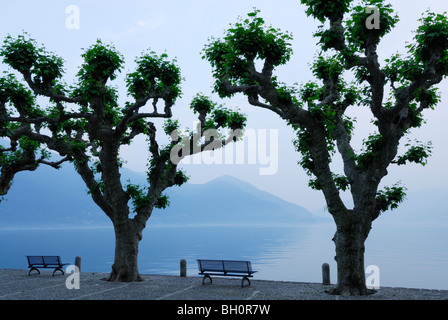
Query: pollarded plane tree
point(245, 58)
point(85, 124)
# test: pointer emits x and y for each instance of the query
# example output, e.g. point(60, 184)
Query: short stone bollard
point(78, 263)
point(183, 268)
point(326, 273)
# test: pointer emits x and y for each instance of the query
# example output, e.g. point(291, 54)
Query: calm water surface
point(407, 256)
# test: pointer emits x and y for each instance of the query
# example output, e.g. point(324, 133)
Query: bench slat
point(225, 266)
point(36, 262)
point(230, 268)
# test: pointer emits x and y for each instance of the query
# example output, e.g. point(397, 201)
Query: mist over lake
point(278, 253)
point(224, 219)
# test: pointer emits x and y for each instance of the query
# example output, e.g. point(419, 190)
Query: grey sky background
point(181, 28)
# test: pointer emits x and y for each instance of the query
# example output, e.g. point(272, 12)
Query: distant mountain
point(49, 198)
point(227, 200)
point(56, 198)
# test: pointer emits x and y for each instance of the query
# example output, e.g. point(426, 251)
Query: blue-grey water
point(407, 256)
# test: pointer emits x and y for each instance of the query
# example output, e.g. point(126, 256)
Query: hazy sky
point(182, 28)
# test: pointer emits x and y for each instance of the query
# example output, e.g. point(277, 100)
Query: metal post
point(183, 268)
point(325, 273)
point(78, 263)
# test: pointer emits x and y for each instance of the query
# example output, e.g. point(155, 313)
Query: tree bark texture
point(349, 239)
point(127, 239)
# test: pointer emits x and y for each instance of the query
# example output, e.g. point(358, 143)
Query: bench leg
point(242, 281)
point(33, 268)
point(58, 269)
point(205, 277)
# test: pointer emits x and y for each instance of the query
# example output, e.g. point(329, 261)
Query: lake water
point(406, 255)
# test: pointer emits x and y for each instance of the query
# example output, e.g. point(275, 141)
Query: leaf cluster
point(233, 57)
point(390, 197)
point(155, 75)
point(323, 10)
point(218, 116)
point(23, 55)
point(358, 34)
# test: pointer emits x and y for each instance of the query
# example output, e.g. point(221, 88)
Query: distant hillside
point(227, 200)
point(56, 198)
point(49, 198)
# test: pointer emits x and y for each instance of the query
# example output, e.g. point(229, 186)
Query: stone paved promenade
point(17, 285)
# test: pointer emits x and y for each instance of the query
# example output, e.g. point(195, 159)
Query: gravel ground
point(17, 285)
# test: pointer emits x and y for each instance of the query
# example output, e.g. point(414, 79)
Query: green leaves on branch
point(219, 117)
point(23, 55)
point(372, 146)
point(328, 68)
point(341, 182)
point(22, 148)
point(155, 76)
point(390, 197)
point(23, 100)
point(432, 37)
point(417, 154)
point(247, 41)
point(138, 196)
point(322, 9)
point(357, 32)
point(101, 62)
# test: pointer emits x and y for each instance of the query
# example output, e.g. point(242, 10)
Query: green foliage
point(322, 9)
point(13, 92)
point(341, 182)
point(155, 75)
point(328, 68)
point(140, 199)
point(25, 145)
point(417, 154)
point(302, 145)
point(246, 41)
point(180, 178)
point(23, 55)
point(390, 197)
point(220, 117)
point(236, 120)
point(170, 126)
point(101, 62)
point(162, 202)
point(372, 145)
point(357, 32)
point(432, 36)
point(202, 104)
point(138, 196)
point(311, 92)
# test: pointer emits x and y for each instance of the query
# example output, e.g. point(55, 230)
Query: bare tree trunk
point(127, 239)
point(349, 240)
